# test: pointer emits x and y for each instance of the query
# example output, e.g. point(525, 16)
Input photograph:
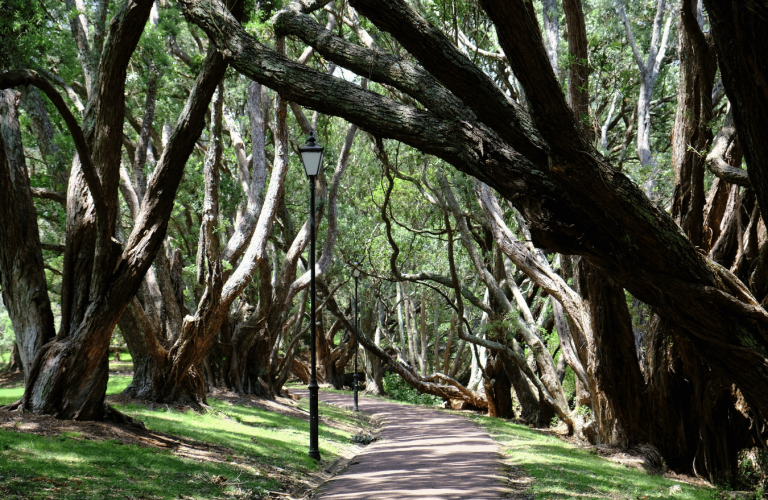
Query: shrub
point(399, 390)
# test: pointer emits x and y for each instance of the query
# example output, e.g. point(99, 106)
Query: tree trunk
point(691, 133)
point(14, 363)
point(614, 366)
point(436, 354)
point(575, 202)
point(22, 275)
point(498, 389)
point(526, 394)
point(700, 421)
point(578, 69)
point(374, 369)
point(738, 29)
point(68, 377)
point(423, 365)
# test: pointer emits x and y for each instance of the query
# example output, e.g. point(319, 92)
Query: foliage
point(7, 337)
point(21, 23)
point(753, 468)
point(399, 390)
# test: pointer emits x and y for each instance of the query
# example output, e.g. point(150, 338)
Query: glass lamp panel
point(312, 161)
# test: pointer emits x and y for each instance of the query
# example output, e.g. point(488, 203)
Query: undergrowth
point(399, 390)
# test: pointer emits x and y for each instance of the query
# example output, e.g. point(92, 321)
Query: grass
point(115, 385)
point(124, 365)
point(70, 467)
point(251, 432)
point(66, 467)
point(562, 471)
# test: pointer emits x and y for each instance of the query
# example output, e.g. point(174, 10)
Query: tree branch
point(28, 77)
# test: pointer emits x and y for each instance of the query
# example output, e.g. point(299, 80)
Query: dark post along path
point(423, 454)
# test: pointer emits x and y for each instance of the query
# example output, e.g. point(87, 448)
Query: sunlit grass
point(124, 365)
point(11, 395)
point(115, 385)
point(562, 471)
point(69, 467)
point(251, 432)
point(61, 467)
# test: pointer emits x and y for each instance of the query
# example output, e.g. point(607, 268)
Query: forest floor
point(250, 448)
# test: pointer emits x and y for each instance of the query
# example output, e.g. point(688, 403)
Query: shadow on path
point(424, 454)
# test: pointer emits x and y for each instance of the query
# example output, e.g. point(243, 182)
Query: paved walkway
point(424, 454)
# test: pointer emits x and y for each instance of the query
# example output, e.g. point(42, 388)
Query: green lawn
point(69, 467)
point(562, 471)
point(115, 385)
point(124, 365)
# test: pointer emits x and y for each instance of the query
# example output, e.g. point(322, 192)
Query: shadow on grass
point(251, 432)
point(34, 467)
point(562, 471)
point(61, 467)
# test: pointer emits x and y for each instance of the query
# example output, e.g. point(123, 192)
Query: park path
point(423, 454)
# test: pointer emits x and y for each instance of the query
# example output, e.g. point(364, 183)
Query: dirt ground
point(11, 379)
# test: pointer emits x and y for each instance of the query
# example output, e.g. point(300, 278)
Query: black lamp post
point(356, 274)
point(312, 159)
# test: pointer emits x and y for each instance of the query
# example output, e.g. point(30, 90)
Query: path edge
point(339, 465)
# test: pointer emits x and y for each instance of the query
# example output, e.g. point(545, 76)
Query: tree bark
point(578, 70)
point(691, 134)
point(738, 30)
point(22, 273)
point(14, 363)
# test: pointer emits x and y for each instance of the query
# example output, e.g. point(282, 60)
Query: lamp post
point(356, 274)
point(312, 159)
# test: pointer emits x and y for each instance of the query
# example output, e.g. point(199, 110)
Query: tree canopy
point(554, 206)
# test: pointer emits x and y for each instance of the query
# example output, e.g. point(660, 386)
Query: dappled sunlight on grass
point(251, 432)
point(562, 471)
point(248, 442)
point(117, 383)
point(32, 466)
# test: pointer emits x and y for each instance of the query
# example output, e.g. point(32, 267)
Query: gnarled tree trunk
point(22, 275)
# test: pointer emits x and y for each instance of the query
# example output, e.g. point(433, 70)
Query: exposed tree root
point(114, 416)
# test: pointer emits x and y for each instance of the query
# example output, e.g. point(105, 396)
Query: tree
point(574, 201)
point(69, 375)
